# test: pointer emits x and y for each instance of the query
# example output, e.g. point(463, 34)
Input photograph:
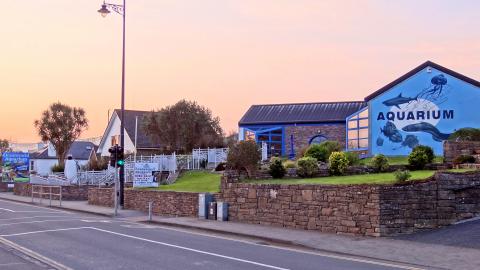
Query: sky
point(226, 55)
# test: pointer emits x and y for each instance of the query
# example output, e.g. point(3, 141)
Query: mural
point(15, 166)
point(424, 109)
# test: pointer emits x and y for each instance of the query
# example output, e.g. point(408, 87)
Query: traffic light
point(113, 155)
point(120, 158)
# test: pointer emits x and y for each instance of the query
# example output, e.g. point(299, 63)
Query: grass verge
point(194, 181)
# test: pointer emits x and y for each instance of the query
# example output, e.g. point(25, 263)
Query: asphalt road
point(80, 241)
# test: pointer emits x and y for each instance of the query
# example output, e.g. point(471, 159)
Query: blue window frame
point(272, 136)
point(357, 130)
point(317, 139)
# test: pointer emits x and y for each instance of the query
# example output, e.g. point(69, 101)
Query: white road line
point(44, 231)
point(30, 217)
point(8, 210)
point(191, 249)
point(10, 264)
point(50, 220)
point(27, 204)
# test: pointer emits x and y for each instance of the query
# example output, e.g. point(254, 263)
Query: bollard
point(150, 204)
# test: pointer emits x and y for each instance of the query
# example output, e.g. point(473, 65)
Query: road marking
point(10, 264)
point(34, 206)
point(191, 249)
point(41, 221)
point(8, 210)
point(44, 231)
point(30, 217)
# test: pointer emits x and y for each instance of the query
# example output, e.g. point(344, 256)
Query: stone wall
point(303, 134)
point(372, 210)
point(101, 196)
point(169, 203)
point(452, 149)
point(4, 186)
point(69, 193)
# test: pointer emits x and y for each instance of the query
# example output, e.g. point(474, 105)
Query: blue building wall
point(424, 109)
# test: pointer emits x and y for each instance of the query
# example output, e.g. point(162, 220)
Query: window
point(357, 130)
point(272, 136)
point(317, 139)
point(115, 139)
point(32, 165)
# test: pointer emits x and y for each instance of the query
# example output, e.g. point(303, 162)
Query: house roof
point(79, 150)
point(321, 112)
point(143, 140)
point(418, 69)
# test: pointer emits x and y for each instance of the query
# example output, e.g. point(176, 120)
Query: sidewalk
point(422, 254)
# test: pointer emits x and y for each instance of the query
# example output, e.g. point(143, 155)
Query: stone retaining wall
point(452, 149)
point(372, 210)
point(69, 193)
point(4, 186)
point(169, 203)
point(101, 196)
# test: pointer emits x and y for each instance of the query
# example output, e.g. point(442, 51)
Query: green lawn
point(195, 182)
point(376, 178)
point(398, 160)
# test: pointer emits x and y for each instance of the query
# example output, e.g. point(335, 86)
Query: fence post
point(31, 191)
point(50, 188)
point(150, 204)
point(60, 187)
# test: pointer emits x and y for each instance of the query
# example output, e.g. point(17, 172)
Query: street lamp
point(104, 11)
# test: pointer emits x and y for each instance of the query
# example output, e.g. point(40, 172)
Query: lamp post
point(104, 11)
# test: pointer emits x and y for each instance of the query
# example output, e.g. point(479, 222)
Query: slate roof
point(296, 113)
point(418, 69)
point(79, 151)
point(129, 122)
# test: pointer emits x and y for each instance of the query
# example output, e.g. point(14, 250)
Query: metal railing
point(42, 190)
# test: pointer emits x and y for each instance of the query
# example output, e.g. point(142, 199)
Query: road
point(81, 241)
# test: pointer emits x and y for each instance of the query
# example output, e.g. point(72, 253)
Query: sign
point(143, 175)
point(15, 166)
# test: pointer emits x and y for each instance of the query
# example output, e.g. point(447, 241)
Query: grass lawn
point(376, 178)
point(398, 160)
point(194, 182)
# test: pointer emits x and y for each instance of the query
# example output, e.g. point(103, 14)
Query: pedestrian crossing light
point(121, 162)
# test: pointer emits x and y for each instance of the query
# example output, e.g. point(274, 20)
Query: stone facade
point(452, 149)
point(69, 193)
point(101, 196)
point(371, 210)
point(303, 134)
point(4, 186)
point(169, 203)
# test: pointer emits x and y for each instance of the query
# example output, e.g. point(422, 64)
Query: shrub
point(322, 151)
point(338, 163)
point(466, 134)
point(244, 155)
point(464, 159)
point(307, 167)
point(380, 163)
point(402, 176)
point(276, 169)
point(420, 156)
point(290, 164)
point(98, 164)
point(220, 167)
point(352, 158)
point(58, 168)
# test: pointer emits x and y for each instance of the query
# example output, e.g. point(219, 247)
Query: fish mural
point(396, 101)
point(391, 132)
point(410, 141)
point(379, 141)
point(428, 128)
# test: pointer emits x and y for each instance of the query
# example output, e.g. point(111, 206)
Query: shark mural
point(424, 108)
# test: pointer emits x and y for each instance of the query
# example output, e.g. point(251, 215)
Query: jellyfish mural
point(436, 89)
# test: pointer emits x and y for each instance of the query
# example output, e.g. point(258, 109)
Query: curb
point(34, 255)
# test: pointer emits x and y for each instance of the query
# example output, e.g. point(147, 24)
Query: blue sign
point(15, 165)
point(423, 109)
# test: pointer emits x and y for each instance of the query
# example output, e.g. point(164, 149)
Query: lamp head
point(104, 11)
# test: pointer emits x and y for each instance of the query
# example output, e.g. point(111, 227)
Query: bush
point(420, 156)
point(380, 163)
point(322, 151)
point(307, 167)
point(276, 169)
point(338, 163)
point(402, 176)
point(353, 158)
point(220, 167)
point(244, 155)
point(464, 159)
point(466, 134)
point(290, 164)
point(98, 164)
point(58, 168)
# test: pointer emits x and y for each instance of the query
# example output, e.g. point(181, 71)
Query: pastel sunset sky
point(224, 54)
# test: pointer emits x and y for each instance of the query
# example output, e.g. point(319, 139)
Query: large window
point(357, 130)
point(273, 137)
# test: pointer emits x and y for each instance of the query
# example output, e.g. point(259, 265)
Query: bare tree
point(61, 125)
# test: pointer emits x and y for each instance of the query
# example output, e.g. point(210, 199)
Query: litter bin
point(212, 211)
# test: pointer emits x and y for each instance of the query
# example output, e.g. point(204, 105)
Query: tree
point(4, 147)
point(244, 155)
point(184, 126)
point(61, 125)
point(231, 139)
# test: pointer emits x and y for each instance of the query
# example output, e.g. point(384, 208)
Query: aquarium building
point(424, 106)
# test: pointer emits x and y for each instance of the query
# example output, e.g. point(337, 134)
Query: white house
point(42, 161)
point(135, 137)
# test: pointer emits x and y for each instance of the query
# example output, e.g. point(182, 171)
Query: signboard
point(15, 166)
point(143, 175)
